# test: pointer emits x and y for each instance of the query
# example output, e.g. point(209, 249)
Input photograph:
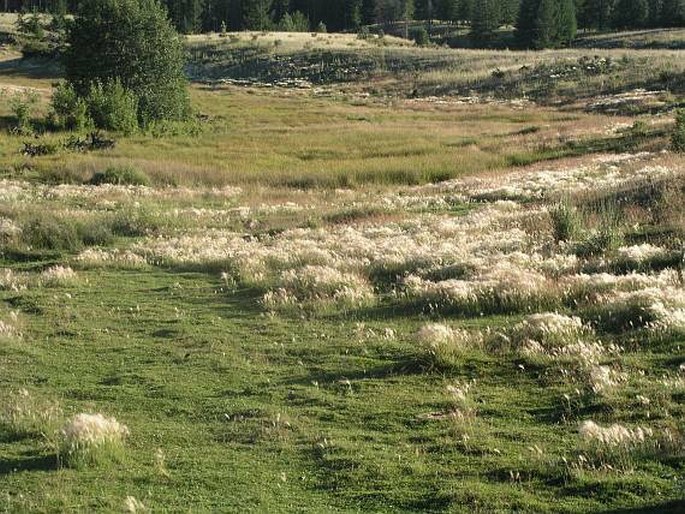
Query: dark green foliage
point(485, 19)
point(630, 14)
point(257, 15)
point(678, 137)
point(546, 23)
point(131, 42)
point(565, 222)
point(46, 232)
point(121, 175)
point(566, 22)
point(22, 105)
point(295, 22)
point(112, 107)
point(419, 35)
point(69, 111)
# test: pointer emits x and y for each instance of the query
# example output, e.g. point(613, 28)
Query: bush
point(120, 175)
point(678, 137)
point(113, 107)
point(419, 35)
point(22, 105)
point(565, 222)
point(69, 111)
point(48, 233)
point(295, 22)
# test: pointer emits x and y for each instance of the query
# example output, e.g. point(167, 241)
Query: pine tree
point(673, 13)
point(485, 19)
point(546, 24)
point(566, 22)
point(257, 14)
point(526, 23)
point(630, 14)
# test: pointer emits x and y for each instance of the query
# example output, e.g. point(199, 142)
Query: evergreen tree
point(546, 24)
point(368, 12)
point(630, 14)
point(353, 14)
point(566, 22)
point(673, 13)
point(130, 42)
point(485, 19)
point(257, 14)
point(526, 23)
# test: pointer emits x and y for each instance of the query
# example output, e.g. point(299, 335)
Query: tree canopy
point(132, 43)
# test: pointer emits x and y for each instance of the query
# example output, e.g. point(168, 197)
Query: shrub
point(678, 137)
point(120, 175)
point(69, 111)
point(131, 41)
point(22, 105)
point(419, 35)
point(48, 233)
point(565, 222)
point(113, 107)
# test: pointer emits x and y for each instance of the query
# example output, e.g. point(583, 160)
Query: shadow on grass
point(31, 68)
point(672, 507)
point(29, 463)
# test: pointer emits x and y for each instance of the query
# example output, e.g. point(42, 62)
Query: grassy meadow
point(400, 288)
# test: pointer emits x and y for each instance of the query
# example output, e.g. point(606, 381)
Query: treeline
point(539, 23)
point(487, 15)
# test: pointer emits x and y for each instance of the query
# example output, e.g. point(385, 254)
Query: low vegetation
point(349, 296)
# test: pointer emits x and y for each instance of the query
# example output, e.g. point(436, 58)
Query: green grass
point(235, 409)
point(225, 392)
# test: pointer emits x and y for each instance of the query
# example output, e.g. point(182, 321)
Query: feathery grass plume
point(91, 440)
point(13, 281)
point(9, 231)
point(319, 287)
point(57, 276)
point(9, 327)
point(659, 310)
point(442, 347)
point(134, 506)
point(462, 406)
point(612, 446)
point(117, 258)
point(604, 379)
point(24, 414)
point(550, 334)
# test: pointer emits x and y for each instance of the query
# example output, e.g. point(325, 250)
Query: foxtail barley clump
point(134, 506)
point(443, 347)
point(23, 414)
point(611, 447)
point(555, 336)
point(319, 287)
point(57, 276)
point(9, 326)
point(91, 439)
point(659, 310)
point(118, 258)
point(12, 281)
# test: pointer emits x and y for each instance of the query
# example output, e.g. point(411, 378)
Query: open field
point(342, 297)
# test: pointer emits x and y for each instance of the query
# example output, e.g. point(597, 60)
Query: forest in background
point(539, 23)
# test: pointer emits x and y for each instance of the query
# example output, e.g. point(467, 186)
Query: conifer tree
point(630, 14)
point(485, 19)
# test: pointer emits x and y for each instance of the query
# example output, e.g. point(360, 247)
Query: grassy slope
point(279, 414)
